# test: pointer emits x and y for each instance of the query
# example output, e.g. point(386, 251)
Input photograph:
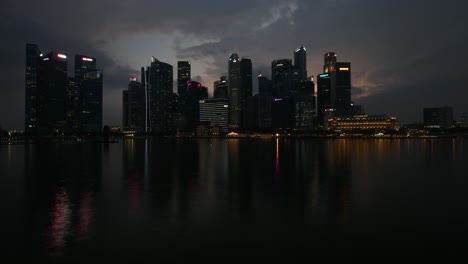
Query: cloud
point(392, 45)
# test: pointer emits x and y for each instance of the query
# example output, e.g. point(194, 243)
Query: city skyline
point(395, 58)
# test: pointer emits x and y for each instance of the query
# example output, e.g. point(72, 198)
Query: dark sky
point(405, 55)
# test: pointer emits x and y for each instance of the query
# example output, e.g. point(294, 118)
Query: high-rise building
point(191, 109)
point(325, 98)
point(71, 106)
point(52, 86)
point(33, 55)
point(246, 90)
point(329, 62)
point(305, 106)
point(262, 104)
point(135, 107)
point(279, 69)
point(125, 111)
point(341, 83)
point(221, 88)
point(89, 82)
point(214, 112)
point(334, 88)
point(161, 98)
point(183, 75)
point(235, 107)
point(300, 61)
point(438, 117)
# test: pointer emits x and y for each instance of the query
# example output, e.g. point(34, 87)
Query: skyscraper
point(300, 61)
point(342, 87)
point(221, 88)
point(325, 98)
point(183, 75)
point(438, 117)
point(191, 110)
point(279, 70)
point(89, 82)
point(263, 103)
point(329, 62)
point(246, 89)
point(161, 98)
point(52, 85)
point(334, 88)
point(33, 54)
point(135, 107)
point(235, 110)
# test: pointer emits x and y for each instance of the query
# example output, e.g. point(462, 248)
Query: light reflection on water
point(140, 194)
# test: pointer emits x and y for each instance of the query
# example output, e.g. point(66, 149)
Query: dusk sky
point(405, 55)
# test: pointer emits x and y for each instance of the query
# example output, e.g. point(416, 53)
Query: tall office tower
point(161, 98)
point(341, 84)
point(300, 61)
point(135, 107)
point(71, 106)
point(143, 77)
point(221, 88)
point(89, 82)
point(125, 115)
point(33, 54)
point(305, 106)
point(91, 101)
point(262, 104)
point(279, 70)
point(183, 75)
point(246, 90)
point(235, 110)
point(52, 85)
point(191, 109)
point(329, 62)
point(292, 81)
point(438, 117)
point(325, 96)
point(214, 112)
point(265, 85)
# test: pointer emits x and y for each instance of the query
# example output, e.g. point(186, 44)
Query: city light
point(86, 59)
point(344, 69)
point(62, 56)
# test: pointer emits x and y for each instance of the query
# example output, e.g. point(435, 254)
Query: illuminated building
point(362, 123)
point(324, 95)
point(464, 121)
point(329, 62)
point(334, 88)
point(183, 75)
point(89, 82)
point(341, 85)
point(214, 112)
point(221, 88)
point(52, 86)
point(438, 117)
point(33, 54)
point(161, 99)
point(300, 61)
point(305, 106)
point(134, 107)
point(245, 91)
point(235, 110)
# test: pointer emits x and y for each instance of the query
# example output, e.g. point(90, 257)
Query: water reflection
point(163, 196)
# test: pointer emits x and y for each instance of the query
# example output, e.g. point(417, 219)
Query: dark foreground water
point(223, 199)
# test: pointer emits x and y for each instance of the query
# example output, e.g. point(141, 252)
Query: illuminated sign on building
point(133, 79)
point(344, 69)
point(324, 75)
point(62, 56)
point(278, 99)
point(86, 59)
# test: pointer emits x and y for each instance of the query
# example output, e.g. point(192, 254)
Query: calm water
point(173, 199)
